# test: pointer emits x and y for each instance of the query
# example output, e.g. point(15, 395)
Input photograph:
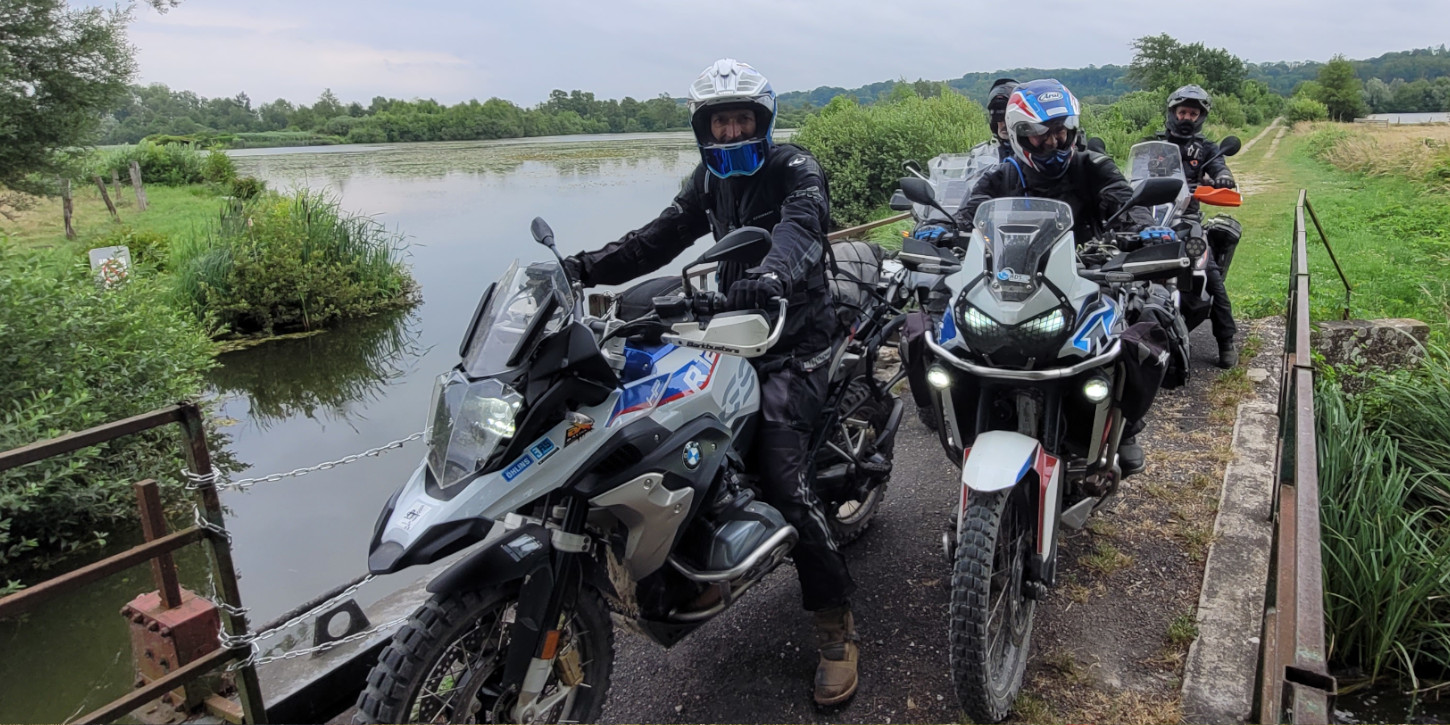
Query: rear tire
point(991, 617)
point(446, 663)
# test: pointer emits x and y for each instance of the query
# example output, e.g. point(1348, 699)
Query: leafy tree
point(1340, 90)
point(61, 68)
point(1160, 61)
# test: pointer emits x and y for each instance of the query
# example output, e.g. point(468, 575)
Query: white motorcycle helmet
point(729, 84)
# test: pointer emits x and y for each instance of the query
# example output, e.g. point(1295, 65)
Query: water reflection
point(579, 156)
point(334, 374)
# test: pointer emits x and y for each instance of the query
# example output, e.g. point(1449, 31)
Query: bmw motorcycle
point(1028, 383)
point(600, 460)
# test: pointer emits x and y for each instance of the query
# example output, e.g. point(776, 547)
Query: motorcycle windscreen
point(1158, 159)
point(1018, 234)
point(522, 294)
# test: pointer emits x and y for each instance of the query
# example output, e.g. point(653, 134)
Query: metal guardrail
point(209, 528)
point(1295, 685)
point(1301, 241)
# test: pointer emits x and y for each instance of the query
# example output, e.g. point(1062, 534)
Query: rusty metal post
point(198, 459)
point(107, 198)
point(153, 526)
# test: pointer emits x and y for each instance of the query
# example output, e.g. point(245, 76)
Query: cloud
point(454, 50)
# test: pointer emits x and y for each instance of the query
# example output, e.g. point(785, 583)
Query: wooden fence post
point(116, 186)
point(66, 208)
point(136, 182)
point(107, 198)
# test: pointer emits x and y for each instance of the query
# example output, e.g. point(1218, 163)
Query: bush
point(218, 168)
point(165, 164)
point(72, 356)
point(368, 133)
point(1303, 108)
point(861, 148)
point(147, 247)
point(280, 263)
point(1229, 111)
point(247, 187)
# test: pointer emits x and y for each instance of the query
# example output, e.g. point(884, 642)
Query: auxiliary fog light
point(938, 378)
point(1096, 389)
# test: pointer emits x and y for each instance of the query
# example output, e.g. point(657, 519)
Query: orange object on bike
point(1218, 197)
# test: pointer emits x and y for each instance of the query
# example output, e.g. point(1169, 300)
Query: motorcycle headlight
point(467, 424)
point(975, 322)
point(1048, 324)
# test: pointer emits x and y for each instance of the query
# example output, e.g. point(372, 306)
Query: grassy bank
point(74, 354)
point(1389, 230)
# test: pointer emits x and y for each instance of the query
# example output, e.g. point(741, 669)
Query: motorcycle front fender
point(510, 557)
point(999, 460)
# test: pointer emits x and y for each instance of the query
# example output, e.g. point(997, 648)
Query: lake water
point(465, 210)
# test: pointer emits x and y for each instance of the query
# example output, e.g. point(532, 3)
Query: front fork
point(546, 593)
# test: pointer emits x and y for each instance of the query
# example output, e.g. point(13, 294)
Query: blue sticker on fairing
point(518, 467)
point(948, 327)
point(542, 450)
point(1026, 465)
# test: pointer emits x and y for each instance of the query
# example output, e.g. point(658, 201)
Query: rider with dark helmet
point(1188, 108)
point(1043, 122)
point(997, 114)
point(746, 179)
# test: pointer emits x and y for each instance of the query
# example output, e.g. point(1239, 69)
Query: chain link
point(214, 477)
point(256, 659)
point(203, 523)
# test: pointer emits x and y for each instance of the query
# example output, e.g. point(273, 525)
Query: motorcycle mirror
point(1097, 144)
point(1151, 192)
point(919, 191)
point(899, 202)
point(542, 233)
point(747, 245)
point(913, 168)
point(1230, 146)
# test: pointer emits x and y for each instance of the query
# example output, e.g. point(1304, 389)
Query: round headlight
point(1096, 390)
point(938, 378)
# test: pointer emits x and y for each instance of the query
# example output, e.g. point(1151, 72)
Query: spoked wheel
point(861, 418)
point(446, 664)
point(991, 617)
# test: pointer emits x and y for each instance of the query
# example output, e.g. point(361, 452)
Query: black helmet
point(1187, 95)
point(997, 102)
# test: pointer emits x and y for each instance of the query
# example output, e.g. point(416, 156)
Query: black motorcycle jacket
point(1092, 186)
point(787, 195)
point(1197, 151)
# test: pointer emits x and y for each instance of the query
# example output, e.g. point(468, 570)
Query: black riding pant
point(791, 402)
point(1222, 311)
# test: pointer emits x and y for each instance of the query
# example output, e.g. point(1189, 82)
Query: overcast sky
point(453, 50)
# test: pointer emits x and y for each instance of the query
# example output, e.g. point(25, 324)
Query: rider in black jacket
point(1048, 161)
point(747, 180)
point(997, 115)
point(1188, 108)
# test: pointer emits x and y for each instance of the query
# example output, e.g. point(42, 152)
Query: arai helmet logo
point(692, 455)
point(1050, 96)
point(1005, 274)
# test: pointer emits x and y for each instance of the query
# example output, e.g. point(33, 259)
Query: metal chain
point(256, 660)
point(214, 477)
point(203, 523)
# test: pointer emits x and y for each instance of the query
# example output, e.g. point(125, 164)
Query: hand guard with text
point(755, 294)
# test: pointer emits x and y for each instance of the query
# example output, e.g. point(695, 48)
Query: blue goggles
point(740, 159)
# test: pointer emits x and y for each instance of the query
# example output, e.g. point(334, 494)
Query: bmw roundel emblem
point(692, 455)
point(1005, 274)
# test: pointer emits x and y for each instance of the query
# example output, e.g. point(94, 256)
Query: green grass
point(1183, 630)
point(173, 211)
point(1391, 235)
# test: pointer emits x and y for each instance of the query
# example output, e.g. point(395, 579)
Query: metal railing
point(1295, 685)
point(157, 549)
point(849, 232)
point(1301, 241)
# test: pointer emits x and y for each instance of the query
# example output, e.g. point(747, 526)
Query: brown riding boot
point(836, 673)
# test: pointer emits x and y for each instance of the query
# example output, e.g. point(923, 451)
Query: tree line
point(158, 110)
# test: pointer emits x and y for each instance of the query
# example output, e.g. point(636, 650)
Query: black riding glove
point(755, 294)
point(1225, 182)
point(574, 268)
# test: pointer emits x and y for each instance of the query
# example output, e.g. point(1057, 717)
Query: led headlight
point(938, 378)
point(469, 421)
point(976, 322)
point(1096, 389)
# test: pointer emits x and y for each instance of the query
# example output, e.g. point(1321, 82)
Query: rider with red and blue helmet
point(745, 179)
point(1044, 127)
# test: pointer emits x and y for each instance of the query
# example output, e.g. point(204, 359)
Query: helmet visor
point(738, 159)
